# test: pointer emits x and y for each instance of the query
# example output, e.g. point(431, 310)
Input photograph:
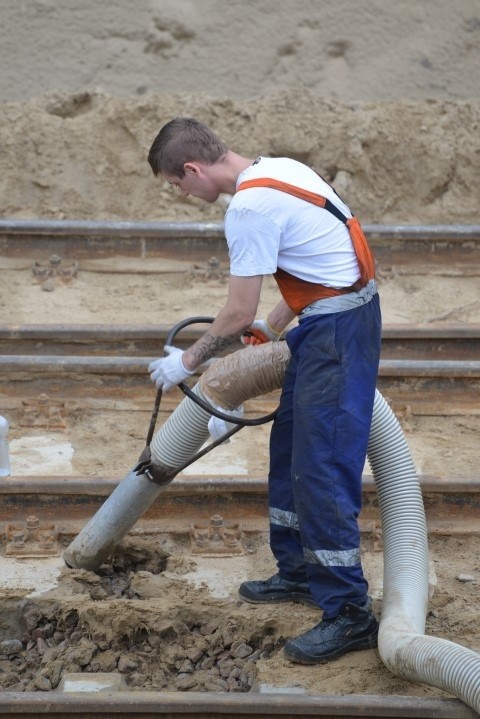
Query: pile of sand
point(84, 156)
point(381, 97)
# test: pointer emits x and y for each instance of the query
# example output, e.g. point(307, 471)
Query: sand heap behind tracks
point(381, 97)
point(84, 155)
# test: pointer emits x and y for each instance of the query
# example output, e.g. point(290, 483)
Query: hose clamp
point(154, 472)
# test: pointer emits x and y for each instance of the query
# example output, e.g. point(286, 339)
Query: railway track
point(430, 369)
point(451, 503)
point(425, 369)
point(434, 368)
point(438, 250)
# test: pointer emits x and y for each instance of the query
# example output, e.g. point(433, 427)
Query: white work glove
point(218, 427)
point(260, 332)
point(167, 372)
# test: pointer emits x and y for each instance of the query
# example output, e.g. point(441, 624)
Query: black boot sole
point(277, 598)
point(294, 654)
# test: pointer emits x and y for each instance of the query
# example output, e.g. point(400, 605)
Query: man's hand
point(218, 427)
point(260, 332)
point(167, 372)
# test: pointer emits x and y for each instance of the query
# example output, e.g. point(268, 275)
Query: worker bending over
point(285, 220)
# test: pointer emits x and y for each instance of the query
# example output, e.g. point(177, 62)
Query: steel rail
point(99, 228)
point(110, 228)
point(403, 341)
point(200, 705)
point(189, 705)
point(63, 364)
point(204, 485)
point(208, 487)
point(114, 333)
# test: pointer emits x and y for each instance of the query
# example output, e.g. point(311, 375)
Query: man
point(285, 220)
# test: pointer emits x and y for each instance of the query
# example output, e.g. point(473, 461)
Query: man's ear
point(191, 167)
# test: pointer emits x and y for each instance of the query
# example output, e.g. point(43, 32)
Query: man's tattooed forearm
point(208, 346)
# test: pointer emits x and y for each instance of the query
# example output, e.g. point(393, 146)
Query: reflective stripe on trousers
point(347, 558)
point(317, 452)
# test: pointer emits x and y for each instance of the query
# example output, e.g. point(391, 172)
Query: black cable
point(198, 400)
point(153, 420)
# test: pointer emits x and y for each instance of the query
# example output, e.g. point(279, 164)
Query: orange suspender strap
point(365, 259)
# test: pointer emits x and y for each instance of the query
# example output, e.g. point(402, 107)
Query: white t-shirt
point(268, 229)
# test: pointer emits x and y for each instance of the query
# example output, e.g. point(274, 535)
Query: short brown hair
point(184, 140)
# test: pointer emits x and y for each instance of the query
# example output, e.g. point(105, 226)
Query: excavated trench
point(108, 621)
point(159, 619)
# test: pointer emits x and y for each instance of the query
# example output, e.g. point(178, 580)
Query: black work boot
point(354, 628)
point(276, 589)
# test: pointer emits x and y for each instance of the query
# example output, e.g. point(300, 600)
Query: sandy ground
point(155, 291)
point(383, 100)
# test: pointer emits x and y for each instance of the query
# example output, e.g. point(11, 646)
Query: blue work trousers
point(318, 447)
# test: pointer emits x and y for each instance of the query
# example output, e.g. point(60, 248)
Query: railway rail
point(455, 341)
point(452, 247)
point(142, 705)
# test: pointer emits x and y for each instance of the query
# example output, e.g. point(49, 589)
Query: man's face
point(197, 182)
